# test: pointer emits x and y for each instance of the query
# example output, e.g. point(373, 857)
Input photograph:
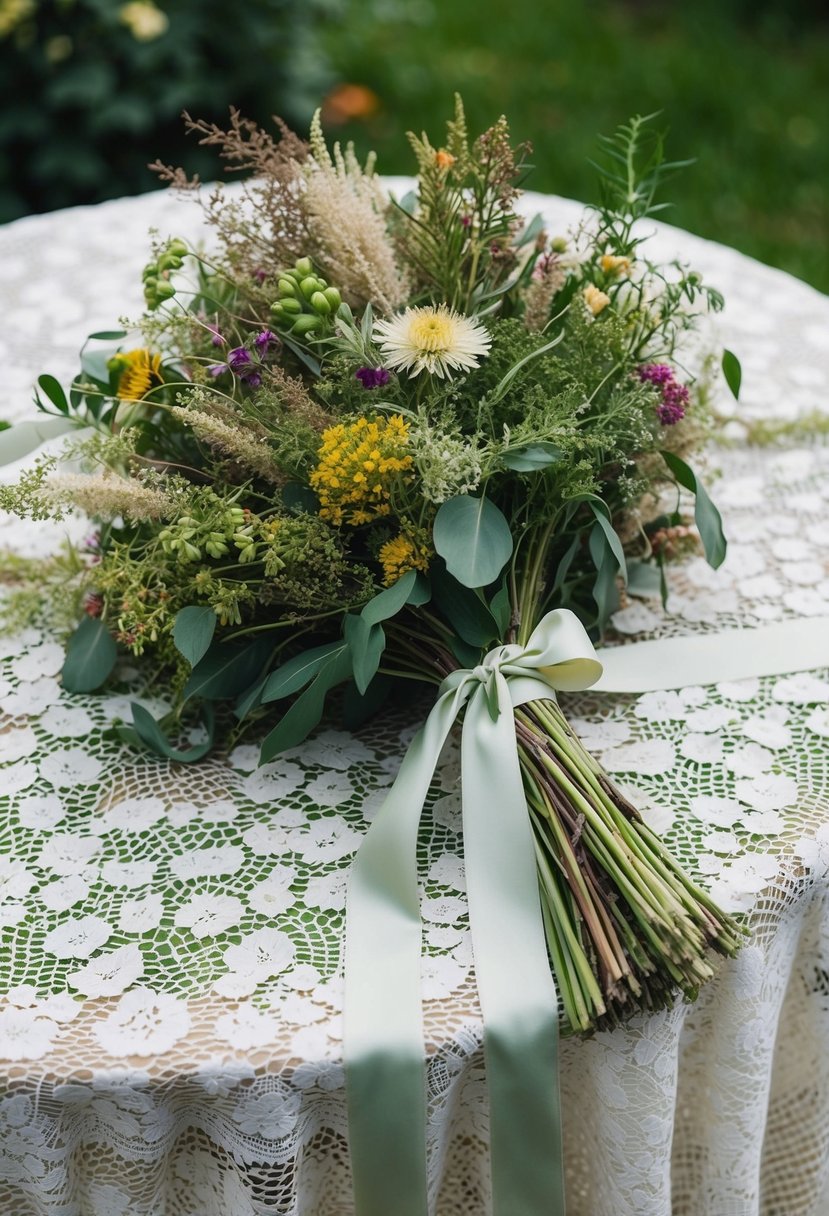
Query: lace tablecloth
point(171, 936)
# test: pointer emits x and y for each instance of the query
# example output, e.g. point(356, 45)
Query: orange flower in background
point(444, 159)
point(349, 101)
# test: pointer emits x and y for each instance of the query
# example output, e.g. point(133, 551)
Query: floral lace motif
point(170, 1018)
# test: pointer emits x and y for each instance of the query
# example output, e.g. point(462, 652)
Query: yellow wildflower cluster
point(358, 465)
point(401, 554)
point(140, 370)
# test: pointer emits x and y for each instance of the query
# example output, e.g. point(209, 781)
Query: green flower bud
point(216, 548)
point(190, 552)
point(320, 304)
point(309, 286)
point(291, 307)
point(150, 271)
point(333, 297)
point(305, 325)
point(177, 247)
point(304, 266)
point(287, 287)
point(164, 289)
point(169, 261)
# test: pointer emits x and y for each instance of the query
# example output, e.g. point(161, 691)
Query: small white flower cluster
point(447, 464)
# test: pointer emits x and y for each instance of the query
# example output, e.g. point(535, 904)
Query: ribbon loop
point(384, 1048)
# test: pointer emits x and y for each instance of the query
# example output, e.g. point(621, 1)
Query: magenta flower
point(263, 340)
point(239, 359)
point(675, 396)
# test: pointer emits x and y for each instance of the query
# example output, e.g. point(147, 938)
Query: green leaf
point(108, 335)
point(644, 579)
point(90, 656)
point(25, 437)
point(193, 631)
point(507, 380)
point(605, 589)
point(501, 609)
point(532, 230)
point(532, 458)
point(298, 671)
point(464, 610)
point(306, 711)
point(366, 642)
point(227, 669)
point(389, 602)
point(358, 708)
point(297, 497)
point(54, 391)
point(614, 544)
point(421, 591)
point(733, 372)
point(473, 538)
point(706, 515)
point(467, 656)
point(152, 736)
point(250, 699)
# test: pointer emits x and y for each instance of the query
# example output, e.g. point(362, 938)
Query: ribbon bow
point(384, 1043)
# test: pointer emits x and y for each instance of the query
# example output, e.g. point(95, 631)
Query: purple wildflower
point(217, 369)
point(372, 377)
point(216, 339)
point(238, 359)
point(260, 275)
point(253, 379)
point(263, 340)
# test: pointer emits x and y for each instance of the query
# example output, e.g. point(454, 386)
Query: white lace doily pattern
point(171, 936)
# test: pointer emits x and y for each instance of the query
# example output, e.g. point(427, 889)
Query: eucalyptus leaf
point(473, 538)
point(301, 718)
point(644, 579)
point(464, 610)
point(501, 609)
point(228, 669)
point(108, 335)
point(706, 515)
point(733, 372)
point(389, 602)
point(421, 591)
point(90, 656)
point(153, 737)
point(53, 389)
point(25, 437)
point(250, 699)
point(366, 643)
point(298, 671)
point(193, 631)
point(359, 707)
point(532, 458)
point(467, 655)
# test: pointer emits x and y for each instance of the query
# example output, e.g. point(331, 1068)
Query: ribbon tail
point(383, 1038)
point(518, 996)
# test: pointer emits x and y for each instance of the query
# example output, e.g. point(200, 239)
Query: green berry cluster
point(306, 303)
point(211, 532)
point(156, 276)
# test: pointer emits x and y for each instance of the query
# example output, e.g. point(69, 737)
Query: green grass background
point(743, 88)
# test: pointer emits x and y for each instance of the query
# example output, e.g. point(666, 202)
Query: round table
point(171, 935)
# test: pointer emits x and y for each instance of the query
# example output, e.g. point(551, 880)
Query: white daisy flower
point(437, 340)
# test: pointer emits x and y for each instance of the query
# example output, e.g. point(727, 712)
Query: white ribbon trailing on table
point(384, 1043)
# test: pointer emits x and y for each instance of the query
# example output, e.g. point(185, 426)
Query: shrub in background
point(92, 90)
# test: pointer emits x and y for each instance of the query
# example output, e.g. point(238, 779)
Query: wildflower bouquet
point(364, 441)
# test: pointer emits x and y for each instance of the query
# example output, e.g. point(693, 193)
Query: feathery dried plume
point(346, 208)
point(247, 449)
point(269, 224)
point(548, 278)
point(105, 495)
point(295, 398)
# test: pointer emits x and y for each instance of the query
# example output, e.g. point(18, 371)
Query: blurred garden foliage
point(743, 86)
point(91, 90)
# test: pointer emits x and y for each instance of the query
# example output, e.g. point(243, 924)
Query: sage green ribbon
point(384, 1045)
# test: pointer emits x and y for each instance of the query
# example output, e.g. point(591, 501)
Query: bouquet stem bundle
point(626, 927)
